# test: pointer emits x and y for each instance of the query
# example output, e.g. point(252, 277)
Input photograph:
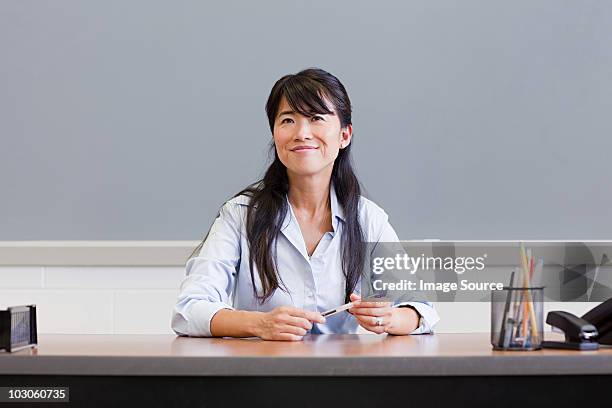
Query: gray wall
point(472, 119)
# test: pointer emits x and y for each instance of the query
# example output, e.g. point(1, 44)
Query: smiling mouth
point(301, 148)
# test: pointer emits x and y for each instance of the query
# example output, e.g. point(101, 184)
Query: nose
point(303, 132)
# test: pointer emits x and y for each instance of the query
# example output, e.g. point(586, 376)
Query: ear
point(346, 134)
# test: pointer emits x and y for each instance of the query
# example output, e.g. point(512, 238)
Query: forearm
point(235, 323)
point(405, 320)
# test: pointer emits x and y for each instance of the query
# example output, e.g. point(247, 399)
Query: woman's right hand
point(286, 323)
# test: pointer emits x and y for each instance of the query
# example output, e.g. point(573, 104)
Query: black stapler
point(579, 333)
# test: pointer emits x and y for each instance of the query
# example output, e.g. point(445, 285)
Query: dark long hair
point(305, 93)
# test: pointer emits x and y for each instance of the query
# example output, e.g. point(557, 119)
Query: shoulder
point(372, 218)
point(238, 201)
point(233, 212)
point(368, 209)
point(236, 207)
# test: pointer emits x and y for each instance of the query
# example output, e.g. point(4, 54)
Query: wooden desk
point(164, 370)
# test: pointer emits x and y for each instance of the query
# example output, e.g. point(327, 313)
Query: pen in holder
point(517, 318)
point(517, 310)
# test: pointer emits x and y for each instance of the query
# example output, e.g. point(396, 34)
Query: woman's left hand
point(377, 317)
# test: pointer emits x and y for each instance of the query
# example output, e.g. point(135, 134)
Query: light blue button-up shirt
point(219, 277)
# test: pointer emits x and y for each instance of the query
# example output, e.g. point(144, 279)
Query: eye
point(317, 118)
point(283, 121)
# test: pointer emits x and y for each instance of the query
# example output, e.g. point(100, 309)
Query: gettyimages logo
point(469, 270)
point(411, 264)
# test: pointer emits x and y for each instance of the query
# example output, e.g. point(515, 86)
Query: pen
point(337, 310)
point(373, 298)
point(503, 329)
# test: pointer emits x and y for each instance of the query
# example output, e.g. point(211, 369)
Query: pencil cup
point(517, 318)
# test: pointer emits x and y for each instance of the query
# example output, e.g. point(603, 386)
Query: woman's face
point(308, 145)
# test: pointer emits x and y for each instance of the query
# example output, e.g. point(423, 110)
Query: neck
point(310, 195)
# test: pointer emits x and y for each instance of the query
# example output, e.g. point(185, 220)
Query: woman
point(292, 245)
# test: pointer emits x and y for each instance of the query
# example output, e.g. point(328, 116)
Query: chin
point(306, 171)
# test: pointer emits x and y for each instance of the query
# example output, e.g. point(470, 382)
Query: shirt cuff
point(199, 316)
point(429, 316)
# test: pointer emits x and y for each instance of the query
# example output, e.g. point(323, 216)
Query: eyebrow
point(290, 112)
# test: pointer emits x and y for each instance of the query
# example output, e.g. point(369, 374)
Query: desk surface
point(316, 355)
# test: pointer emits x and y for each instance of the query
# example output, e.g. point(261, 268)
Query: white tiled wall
point(20, 277)
point(130, 300)
point(94, 300)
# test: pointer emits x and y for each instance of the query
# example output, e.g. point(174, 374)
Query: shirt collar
point(336, 209)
